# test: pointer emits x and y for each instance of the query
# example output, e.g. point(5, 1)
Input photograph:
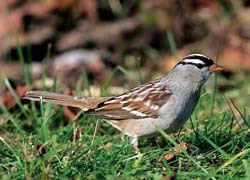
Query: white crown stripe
point(195, 61)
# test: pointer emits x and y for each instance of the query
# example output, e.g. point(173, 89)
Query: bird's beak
point(216, 68)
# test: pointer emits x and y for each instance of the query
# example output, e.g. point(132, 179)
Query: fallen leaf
point(8, 99)
point(170, 155)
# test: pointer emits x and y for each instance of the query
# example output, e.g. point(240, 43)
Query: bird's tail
point(83, 103)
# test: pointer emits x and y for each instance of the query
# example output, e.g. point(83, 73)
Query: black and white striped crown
point(199, 60)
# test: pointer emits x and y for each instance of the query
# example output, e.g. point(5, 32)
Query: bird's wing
point(141, 102)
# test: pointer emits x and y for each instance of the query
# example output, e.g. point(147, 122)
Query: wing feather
point(141, 102)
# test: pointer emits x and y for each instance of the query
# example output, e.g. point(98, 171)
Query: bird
point(166, 103)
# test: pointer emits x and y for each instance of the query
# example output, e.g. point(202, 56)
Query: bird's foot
point(134, 142)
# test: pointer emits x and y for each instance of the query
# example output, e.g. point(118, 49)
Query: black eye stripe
point(199, 65)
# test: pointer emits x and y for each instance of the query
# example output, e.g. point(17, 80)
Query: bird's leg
point(134, 142)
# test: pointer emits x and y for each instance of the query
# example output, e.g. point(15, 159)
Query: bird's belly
point(136, 127)
point(170, 119)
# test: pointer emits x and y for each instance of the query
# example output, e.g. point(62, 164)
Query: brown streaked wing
point(141, 102)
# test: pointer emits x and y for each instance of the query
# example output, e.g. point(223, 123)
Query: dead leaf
point(8, 99)
point(170, 155)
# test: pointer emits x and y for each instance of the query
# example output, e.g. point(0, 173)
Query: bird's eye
point(199, 66)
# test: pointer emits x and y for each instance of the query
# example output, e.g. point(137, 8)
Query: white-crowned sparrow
point(165, 103)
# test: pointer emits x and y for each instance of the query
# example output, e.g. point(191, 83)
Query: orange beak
point(216, 68)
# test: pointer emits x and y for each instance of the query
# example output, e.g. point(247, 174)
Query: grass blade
point(15, 96)
point(217, 148)
point(26, 72)
point(172, 44)
point(232, 159)
point(167, 137)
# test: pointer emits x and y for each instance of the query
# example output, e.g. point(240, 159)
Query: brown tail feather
point(80, 102)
